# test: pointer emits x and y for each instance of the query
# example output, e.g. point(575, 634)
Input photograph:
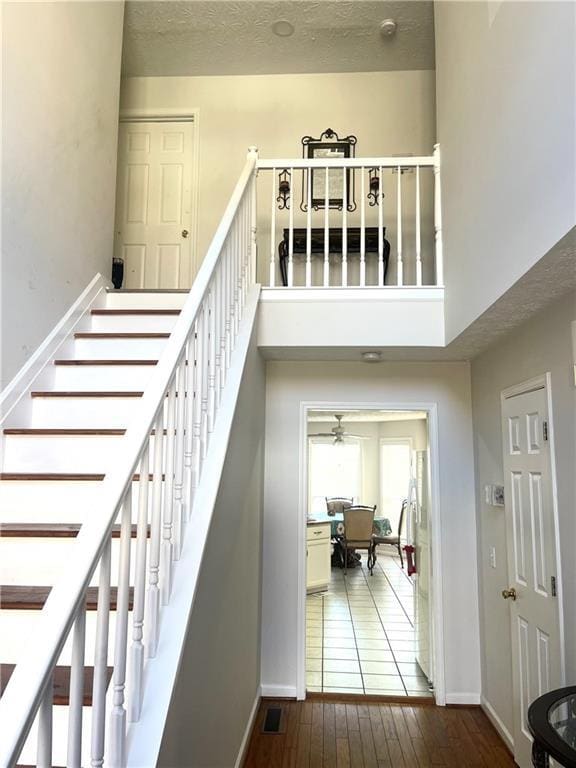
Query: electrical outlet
point(493, 557)
point(488, 494)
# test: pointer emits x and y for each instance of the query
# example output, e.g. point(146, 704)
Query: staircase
point(113, 439)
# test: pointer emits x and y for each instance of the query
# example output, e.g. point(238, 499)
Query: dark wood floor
point(332, 734)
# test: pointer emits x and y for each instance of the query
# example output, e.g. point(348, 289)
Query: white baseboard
point(279, 691)
point(463, 698)
point(490, 713)
point(248, 731)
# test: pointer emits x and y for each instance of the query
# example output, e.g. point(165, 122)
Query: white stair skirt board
point(145, 736)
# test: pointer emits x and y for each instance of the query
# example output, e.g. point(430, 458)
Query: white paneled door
point(154, 227)
point(531, 550)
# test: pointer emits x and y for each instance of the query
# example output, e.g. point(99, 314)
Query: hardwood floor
point(331, 734)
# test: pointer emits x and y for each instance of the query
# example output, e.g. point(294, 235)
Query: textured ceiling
point(235, 38)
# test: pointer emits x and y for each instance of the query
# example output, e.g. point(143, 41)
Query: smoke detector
point(388, 28)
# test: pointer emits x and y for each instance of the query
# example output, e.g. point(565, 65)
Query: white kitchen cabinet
point(318, 550)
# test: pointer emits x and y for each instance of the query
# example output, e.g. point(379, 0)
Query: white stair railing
point(368, 196)
point(178, 409)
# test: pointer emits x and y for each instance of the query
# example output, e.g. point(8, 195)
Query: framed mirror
point(328, 146)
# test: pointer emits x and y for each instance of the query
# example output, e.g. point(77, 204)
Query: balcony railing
point(382, 225)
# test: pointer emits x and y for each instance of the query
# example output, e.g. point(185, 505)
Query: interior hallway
point(335, 734)
point(360, 633)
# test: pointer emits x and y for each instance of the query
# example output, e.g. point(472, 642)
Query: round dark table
point(552, 722)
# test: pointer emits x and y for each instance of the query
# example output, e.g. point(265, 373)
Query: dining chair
point(395, 541)
point(335, 505)
point(358, 527)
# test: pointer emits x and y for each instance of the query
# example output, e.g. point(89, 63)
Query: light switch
point(493, 557)
point(488, 494)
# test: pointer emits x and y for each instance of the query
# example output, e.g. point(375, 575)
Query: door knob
point(185, 233)
point(509, 593)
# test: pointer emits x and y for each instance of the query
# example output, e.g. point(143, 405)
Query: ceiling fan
point(338, 432)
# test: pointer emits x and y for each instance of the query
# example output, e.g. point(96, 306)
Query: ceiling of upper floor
point(225, 37)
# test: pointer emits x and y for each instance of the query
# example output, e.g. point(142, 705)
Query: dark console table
point(353, 240)
point(552, 722)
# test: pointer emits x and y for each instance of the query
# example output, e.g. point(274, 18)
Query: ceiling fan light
point(372, 356)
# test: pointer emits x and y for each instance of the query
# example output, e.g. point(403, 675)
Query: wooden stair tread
point(105, 362)
point(61, 683)
point(52, 530)
point(33, 598)
point(119, 335)
point(80, 393)
point(135, 312)
point(59, 431)
point(59, 476)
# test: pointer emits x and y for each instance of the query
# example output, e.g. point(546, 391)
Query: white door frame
point(437, 597)
point(545, 382)
point(142, 115)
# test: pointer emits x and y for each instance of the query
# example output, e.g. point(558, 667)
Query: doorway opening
point(368, 627)
point(156, 200)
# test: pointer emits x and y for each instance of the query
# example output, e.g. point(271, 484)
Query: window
point(395, 475)
point(335, 470)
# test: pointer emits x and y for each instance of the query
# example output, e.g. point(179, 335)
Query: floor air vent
point(273, 720)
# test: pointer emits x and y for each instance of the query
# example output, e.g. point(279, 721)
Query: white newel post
point(438, 217)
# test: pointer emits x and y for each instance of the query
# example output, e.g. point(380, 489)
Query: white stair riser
point(45, 501)
point(17, 626)
point(87, 412)
point(41, 562)
point(65, 453)
point(133, 323)
point(102, 377)
point(60, 717)
point(143, 300)
point(118, 349)
point(55, 501)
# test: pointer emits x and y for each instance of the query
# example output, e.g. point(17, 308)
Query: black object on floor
point(272, 720)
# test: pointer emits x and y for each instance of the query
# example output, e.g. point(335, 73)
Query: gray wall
point(220, 673)
point(60, 94)
point(540, 345)
point(505, 96)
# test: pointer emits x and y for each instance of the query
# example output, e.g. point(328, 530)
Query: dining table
point(380, 528)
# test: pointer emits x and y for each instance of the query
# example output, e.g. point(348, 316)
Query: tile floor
point(360, 633)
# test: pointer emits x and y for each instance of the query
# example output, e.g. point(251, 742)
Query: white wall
point(288, 384)
point(542, 344)
point(60, 89)
point(506, 84)
point(389, 112)
point(219, 678)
